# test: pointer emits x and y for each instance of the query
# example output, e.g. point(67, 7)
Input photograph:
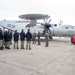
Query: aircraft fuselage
point(64, 30)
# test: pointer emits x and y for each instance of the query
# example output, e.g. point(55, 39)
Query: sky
point(56, 9)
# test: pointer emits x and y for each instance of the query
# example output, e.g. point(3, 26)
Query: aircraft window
point(55, 25)
point(72, 27)
point(10, 25)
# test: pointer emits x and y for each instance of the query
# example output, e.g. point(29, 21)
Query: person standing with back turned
point(46, 39)
point(22, 38)
point(28, 39)
point(16, 38)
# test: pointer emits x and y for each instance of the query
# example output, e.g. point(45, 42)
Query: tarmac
point(57, 59)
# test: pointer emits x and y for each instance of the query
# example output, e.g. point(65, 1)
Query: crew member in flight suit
point(46, 39)
point(38, 35)
point(34, 37)
point(47, 35)
point(47, 31)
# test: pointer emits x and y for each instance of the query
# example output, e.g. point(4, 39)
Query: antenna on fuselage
point(60, 22)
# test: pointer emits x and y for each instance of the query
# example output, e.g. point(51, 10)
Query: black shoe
point(26, 48)
point(17, 48)
point(8, 48)
point(38, 44)
point(1, 48)
point(22, 48)
point(46, 46)
point(29, 48)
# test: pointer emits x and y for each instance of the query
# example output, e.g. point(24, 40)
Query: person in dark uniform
point(7, 39)
point(10, 32)
point(16, 38)
point(22, 38)
point(1, 39)
point(38, 38)
point(28, 39)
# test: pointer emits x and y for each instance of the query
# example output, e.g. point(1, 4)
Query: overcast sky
point(57, 9)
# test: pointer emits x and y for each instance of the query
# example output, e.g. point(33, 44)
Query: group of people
point(7, 36)
point(5, 39)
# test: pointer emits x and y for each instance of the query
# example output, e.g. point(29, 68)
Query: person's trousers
point(28, 44)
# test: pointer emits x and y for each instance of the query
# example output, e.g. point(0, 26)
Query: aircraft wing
point(31, 25)
point(7, 28)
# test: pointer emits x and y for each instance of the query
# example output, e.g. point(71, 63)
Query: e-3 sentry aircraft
point(30, 21)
